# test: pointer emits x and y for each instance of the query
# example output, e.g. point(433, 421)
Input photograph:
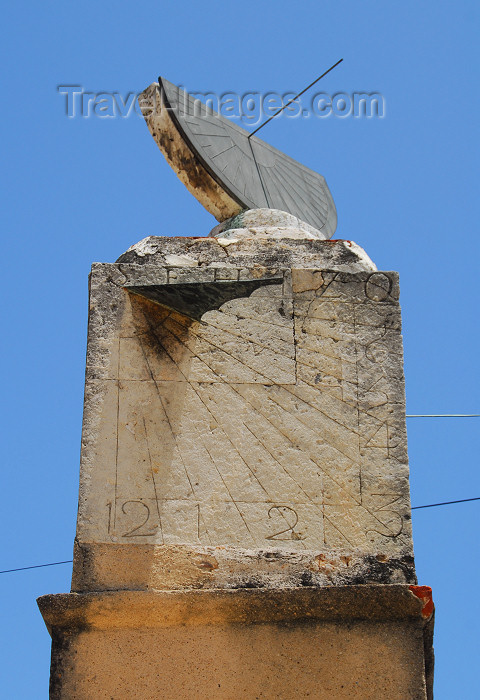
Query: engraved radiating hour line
point(320, 466)
point(193, 124)
point(215, 128)
point(314, 408)
point(315, 505)
point(246, 426)
point(209, 411)
point(254, 342)
point(257, 168)
point(213, 462)
point(275, 425)
point(194, 128)
point(298, 396)
point(329, 475)
point(250, 340)
point(323, 517)
point(251, 318)
point(232, 179)
point(217, 421)
point(225, 167)
point(380, 522)
point(265, 377)
point(224, 151)
point(236, 430)
point(305, 354)
point(172, 433)
point(328, 417)
point(277, 182)
point(117, 441)
point(358, 324)
point(166, 415)
point(305, 350)
point(271, 189)
point(367, 412)
point(153, 479)
point(286, 326)
point(251, 337)
point(245, 175)
point(355, 363)
point(304, 180)
point(226, 352)
point(358, 418)
point(165, 412)
point(368, 510)
point(282, 466)
point(293, 193)
point(318, 208)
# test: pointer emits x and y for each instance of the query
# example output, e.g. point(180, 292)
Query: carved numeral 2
point(143, 512)
point(290, 517)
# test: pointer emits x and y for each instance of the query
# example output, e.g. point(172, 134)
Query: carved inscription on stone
point(273, 419)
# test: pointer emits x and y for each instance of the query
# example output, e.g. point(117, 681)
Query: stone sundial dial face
point(264, 418)
point(224, 169)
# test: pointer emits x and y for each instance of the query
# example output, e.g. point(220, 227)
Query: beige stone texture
point(244, 410)
point(355, 642)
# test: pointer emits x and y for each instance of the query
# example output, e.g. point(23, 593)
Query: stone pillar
point(244, 526)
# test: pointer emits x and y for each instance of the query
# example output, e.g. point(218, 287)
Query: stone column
point(244, 526)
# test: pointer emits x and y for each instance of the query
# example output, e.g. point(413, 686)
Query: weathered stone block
point(244, 399)
point(364, 642)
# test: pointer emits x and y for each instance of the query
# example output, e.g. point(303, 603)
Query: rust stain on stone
point(209, 564)
point(425, 595)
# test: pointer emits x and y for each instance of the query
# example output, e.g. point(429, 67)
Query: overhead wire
point(36, 566)
point(69, 561)
point(443, 415)
point(428, 505)
point(446, 503)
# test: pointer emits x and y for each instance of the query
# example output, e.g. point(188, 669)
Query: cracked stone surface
point(249, 251)
point(244, 421)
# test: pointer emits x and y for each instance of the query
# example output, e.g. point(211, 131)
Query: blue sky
point(84, 189)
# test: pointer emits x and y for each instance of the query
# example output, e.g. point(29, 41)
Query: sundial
point(227, 168)
point(244, 524)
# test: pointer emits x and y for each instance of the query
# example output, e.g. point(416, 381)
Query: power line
point(37, 566)
point(443, 415)
point(69, 561)
point(446, 503)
